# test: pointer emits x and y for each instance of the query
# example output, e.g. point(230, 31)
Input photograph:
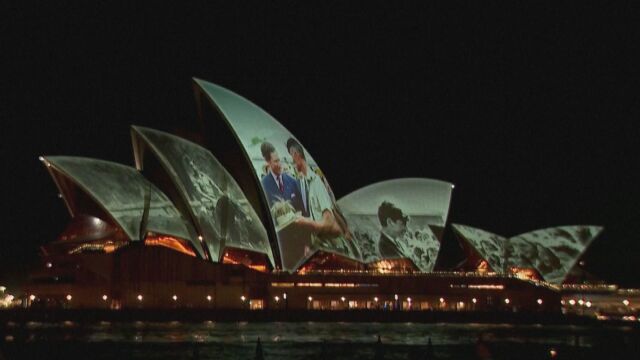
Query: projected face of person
point(298, 160)
point(274, 163)
point(396, 228)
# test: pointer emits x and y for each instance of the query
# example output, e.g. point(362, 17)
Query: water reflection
point(211, 340)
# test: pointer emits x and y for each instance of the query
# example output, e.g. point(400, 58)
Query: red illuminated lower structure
point(145, 276)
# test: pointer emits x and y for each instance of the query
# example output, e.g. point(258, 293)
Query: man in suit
point(277, 184)
point(316, 201)
point(394, 226)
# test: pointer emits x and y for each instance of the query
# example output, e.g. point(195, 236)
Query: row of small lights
point(105, 297)
point(572, 302)
point(395, 296)
point(174, 297)
point(376, 299)
point(587, 303)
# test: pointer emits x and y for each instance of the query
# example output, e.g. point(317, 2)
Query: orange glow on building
point(169, 242)
point(483, 267)
point(526, 273)
point(249, 259)
point(329, 261)
point(393, 265)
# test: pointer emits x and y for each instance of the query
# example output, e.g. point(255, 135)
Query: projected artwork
point(489, 246)
point(553, 251)
point(393, 219)
point(301, 202)
point(222, 213)
point(120, 191)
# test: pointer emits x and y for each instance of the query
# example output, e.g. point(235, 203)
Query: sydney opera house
point(240, 216)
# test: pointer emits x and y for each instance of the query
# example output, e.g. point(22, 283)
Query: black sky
point(529, 107)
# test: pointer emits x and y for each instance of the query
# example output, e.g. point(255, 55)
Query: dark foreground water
point(209, 340)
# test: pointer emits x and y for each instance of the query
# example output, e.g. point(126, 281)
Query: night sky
point(530, 108)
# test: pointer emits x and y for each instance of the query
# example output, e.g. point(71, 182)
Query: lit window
point(256, 304)
point(339, 285)
point(487, 287)
point(283, 284)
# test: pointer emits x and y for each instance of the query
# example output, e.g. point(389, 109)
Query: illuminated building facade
point(257, 226)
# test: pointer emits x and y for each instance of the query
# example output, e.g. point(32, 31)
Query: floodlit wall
point(119, 190)
point(301, 204)
point(393, 219)
point(218, 206)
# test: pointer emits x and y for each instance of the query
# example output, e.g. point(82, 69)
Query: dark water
point(208, 340)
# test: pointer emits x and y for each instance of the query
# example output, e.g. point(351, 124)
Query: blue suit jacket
point(291, 191)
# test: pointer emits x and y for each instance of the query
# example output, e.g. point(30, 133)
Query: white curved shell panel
point(120, 191)
point(553, 251)
point(218, 206)
point(303, 210)
point(489, 246)
point(392, 219)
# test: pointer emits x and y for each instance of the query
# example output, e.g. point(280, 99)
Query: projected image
point(393, 235)
point(223, 213)
point(394, 219)
point(120, 190)
point(300, 200)
point(302, 205)
point(489, 246)
point(553, 251)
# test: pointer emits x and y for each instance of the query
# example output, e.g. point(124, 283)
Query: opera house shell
point(245, 212)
